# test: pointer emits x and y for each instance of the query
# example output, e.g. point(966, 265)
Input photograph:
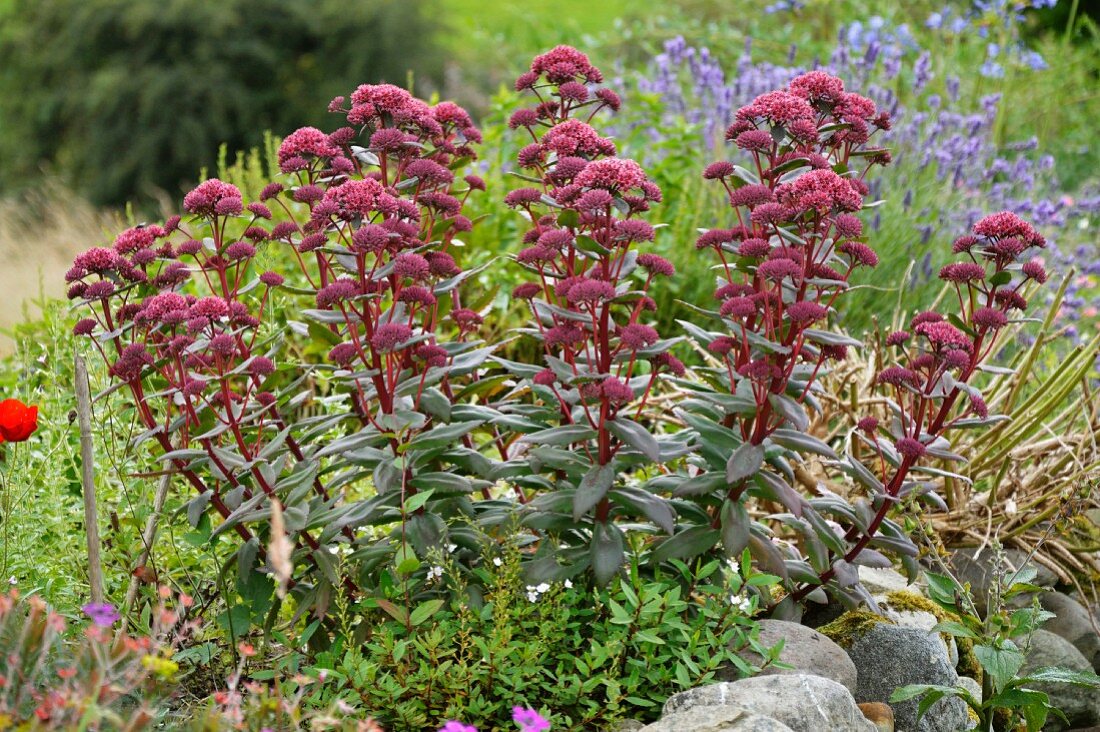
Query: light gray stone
point(805, 650)
point(803, 702)
point(1072, 621)
point(1081, 706)
point(972, 686)
point(715, 719)
point(891, 656)
point(879, 581)
point(921, 620)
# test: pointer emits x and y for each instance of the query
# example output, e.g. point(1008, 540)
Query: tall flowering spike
point(586, 228)
point(786, 253)
point(931, 385)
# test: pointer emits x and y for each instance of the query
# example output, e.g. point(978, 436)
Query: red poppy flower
point(17, 420)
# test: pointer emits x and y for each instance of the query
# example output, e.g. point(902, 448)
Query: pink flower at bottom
point(454, 726)
point(529, 720)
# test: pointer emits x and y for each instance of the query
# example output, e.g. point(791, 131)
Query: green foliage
point(586, 658)
point(999, 642)
point(124, 97)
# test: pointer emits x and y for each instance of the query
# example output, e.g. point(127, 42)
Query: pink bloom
point(355, 198)
point(618, 392)
point(206, 198)
point(389, 336)
point(573, 137)
point(817, 86)
point(637, 336)
point(910, 448)
point(306, 142)
point(1006, 223)
point(962, 272)
point(615, 174)
point(656, 264)
point(777, 107)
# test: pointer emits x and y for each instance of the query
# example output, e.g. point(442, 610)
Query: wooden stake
point(87, 478)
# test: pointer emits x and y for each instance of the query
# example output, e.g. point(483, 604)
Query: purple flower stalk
point(529, 720)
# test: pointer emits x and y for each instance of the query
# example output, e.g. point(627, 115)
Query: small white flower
point(568, 584)
point(532, 593)
point(741, 602)
point(497, 562)
point(435, 573)
point(543, 587)
point(451, 548)
point(12, 580)
point(1010, 507)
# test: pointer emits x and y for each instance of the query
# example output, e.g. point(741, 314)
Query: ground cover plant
point(539, 414)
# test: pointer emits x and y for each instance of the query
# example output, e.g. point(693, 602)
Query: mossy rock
point(852, 624)
point(968, 663)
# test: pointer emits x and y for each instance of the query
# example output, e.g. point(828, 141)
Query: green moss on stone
point(852, 624)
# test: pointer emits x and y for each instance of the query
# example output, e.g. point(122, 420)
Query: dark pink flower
point(616, 391)
point(388, 336)
point(805, 312)
point(613, 174)
point(206, 198)
point(656, 264)
point(991, 318)
point(910, 448)
point(818, 86)
point(962, 272)
point(637, 336)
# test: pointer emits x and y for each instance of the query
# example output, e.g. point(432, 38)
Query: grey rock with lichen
point(709, 718)
point(804, 649)
point(803, 702)
point(888, 657)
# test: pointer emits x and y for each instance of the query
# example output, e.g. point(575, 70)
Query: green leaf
point(954, 628)
point(735, 527)
point(802, 442)
point(406, 560)
point(942, 588)
point(607, 551)
point(441, 435)
point(744, 462)
point(397, 613)
point(1001, 663)
point(593, 487)
point(685, 544)
point(417, 500)
point(568, 434)
point(636, 436)
point(424, 611)
point(1059, 675)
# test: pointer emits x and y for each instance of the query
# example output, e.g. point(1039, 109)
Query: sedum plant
point(588, 441)
point(182, 313)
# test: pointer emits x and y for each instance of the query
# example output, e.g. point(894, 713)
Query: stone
point(897, 607)
point(972, 686)
point(889, 656)
point(978, 571)
point(1081, 706)
point(629, 725)
point(878, 714)
point(880, 580)
point(708, 718)
point(1073, 622)
point(804, 649)
point(803, 702)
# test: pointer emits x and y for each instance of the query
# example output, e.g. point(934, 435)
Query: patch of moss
point(845, 629)
point(968, 663)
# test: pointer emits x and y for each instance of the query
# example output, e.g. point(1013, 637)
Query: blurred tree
point(125, 97)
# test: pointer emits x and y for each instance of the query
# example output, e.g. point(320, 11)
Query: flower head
point(529, 720)
point(103, 614)
point(18, 421)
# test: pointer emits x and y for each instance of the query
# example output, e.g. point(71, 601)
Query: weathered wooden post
point(87, 478)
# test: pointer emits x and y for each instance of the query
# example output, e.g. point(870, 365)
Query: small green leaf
point(424, 611)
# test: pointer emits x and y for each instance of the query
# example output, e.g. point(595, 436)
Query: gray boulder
point(908, 616)
point(890, 656)
point(979, 571)
point(715, 719)
point(1081, 706)
point(803, 702)
point(805, 650)
point(1072, 621)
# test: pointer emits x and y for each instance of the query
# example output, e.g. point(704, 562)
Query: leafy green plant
point(584, 656)
point(1000, 641)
